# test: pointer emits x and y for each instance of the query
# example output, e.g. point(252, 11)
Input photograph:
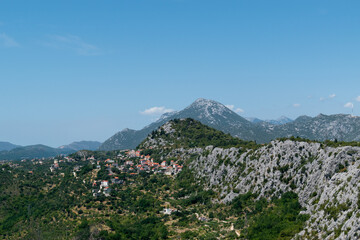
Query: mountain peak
point(205, 102)
point(208, 108)
point(283, 118)
point(208, 112)
point(127, 130)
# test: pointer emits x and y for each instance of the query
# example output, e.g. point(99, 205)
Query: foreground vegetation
point(44, 205)
point(36, 203)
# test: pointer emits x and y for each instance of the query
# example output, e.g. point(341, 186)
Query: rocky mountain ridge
point(214, 114)
point(208, 112)
point(279, 121)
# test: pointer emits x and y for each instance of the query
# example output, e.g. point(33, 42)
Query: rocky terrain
point(325, 178)
point(208, 112)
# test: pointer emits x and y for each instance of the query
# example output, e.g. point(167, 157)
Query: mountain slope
point(7, 146)
point(322, 127)
point(208, 112)
point(281, 120)
point(189, 133)
point(82, 145)
point(324, 178)
point(42, 151)
point(33, 151)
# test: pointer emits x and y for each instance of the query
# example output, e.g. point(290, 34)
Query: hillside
point(322, 127)
point(82, 145)
point(32, 151)
point(281, 120)
point(324, 178)
point(6, 146)
point(43, 151)
point(189, 133)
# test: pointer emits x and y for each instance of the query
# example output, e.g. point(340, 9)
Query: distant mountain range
point(279, 121)
point(214, 114)
point(6, 146)
point(208, 112)
point(82, 145)
point(15, 152)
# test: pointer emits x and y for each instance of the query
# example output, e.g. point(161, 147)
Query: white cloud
point(349, 105)
point(331, 96)
point(156, 111)
point(7, 41)
point(296, 105)
point(232, 108)
point(239, 110)
point(74, 43)
point(358, 98)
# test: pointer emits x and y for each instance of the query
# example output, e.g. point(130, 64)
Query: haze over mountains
point(10, 151)
point(6, 146)
point(214, 114)
point(281, 120)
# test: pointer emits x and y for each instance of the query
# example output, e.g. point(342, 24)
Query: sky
point(86, 69)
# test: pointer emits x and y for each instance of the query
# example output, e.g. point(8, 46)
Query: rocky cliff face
point(326, 180)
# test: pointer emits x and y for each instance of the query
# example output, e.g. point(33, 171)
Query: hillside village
point(129, 162)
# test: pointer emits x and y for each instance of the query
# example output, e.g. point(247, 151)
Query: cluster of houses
point(9, 163)
point(103, 186)
point(146, 163)
point(54, 166)
point(131, 162)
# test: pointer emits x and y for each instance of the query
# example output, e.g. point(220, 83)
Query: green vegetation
point(60, 206)
point(190, 133)
point(327, 143)
point(280, 221)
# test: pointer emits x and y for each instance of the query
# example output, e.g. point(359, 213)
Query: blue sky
point(83, 70)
